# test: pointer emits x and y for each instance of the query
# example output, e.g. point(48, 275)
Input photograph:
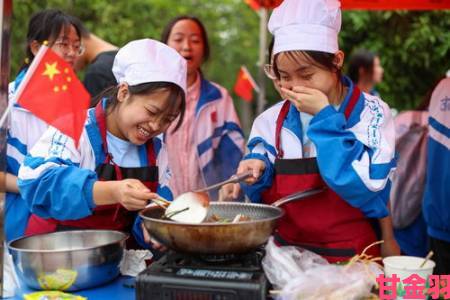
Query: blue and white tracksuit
point(210, 136)
point(436, 203)
point(356, 157)
point(57, 178)
point(221, 144)
point(24, 131)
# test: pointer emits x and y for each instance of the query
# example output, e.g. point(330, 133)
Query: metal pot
point(215, 238)
point(68, 260)
point(220, 238)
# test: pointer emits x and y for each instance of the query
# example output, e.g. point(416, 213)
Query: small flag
point(245, 84)
point(52, 92)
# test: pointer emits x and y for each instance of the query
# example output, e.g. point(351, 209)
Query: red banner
point(368, 4)
point(396, 4)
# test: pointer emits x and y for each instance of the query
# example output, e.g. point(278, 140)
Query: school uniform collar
point(208, 93)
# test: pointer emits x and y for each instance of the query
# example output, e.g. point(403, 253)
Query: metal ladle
point(297, 196)
point(192, 207)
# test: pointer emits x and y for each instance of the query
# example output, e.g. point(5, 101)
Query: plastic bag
point(301, 274)
point(52, 295)
point(133, 262)
point(333, 282)
point(10, 280)
point(281, 264)
point(61, 279)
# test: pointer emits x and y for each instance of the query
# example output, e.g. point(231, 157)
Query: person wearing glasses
point(62, 33)
point(326, 135)
point(383, 226)
point(268, 69)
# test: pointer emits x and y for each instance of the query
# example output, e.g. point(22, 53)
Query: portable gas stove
point(185, 277)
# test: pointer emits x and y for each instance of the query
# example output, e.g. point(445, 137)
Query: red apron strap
point(151, 161)
point(151, 156)
point(352, 102)
point(101, 122)
point(281, 116)
point(100, 117)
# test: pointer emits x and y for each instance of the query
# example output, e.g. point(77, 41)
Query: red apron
point(111, 217)
point(323, 223)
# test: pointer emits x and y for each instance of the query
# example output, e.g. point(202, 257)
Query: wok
point(219, 238)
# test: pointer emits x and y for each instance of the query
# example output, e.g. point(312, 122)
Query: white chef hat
point(306, 25)
point(147, 60)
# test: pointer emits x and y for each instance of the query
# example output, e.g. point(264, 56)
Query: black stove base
point(178, 277)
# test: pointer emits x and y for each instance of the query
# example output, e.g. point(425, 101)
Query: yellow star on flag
point(51, 70)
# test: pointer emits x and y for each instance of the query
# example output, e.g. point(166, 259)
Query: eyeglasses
point(65, 47)
point(270, 73)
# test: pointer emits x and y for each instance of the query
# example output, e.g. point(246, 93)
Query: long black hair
point(46, 25)
point(360, 59)
point(168, 29)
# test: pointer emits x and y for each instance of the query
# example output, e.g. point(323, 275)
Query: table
point(120, 288)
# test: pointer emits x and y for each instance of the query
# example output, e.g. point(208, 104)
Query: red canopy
point(368, 4)
point(396, 4)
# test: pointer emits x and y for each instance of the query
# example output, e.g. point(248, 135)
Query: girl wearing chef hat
point(120, 162)
point(326, 135)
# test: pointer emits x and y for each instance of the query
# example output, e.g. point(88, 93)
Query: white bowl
point(405, 266)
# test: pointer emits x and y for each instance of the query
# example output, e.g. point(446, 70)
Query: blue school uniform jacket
point(57, 178)
point(356, 157)
point(23, 132)
point(436, 203)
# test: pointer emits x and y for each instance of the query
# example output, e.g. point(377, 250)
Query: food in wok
point(215, 218)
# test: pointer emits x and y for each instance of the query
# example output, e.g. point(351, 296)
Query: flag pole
point(246, 116)
point(19, 91)
point(5, 40)
point(261, 103)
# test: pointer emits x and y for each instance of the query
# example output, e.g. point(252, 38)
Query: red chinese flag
point(52, 92)
point(244, 85)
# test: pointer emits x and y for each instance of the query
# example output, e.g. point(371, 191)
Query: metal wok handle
point(233, 179)
point(298, 196)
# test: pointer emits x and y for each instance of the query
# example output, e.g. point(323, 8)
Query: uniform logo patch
point(214, 117)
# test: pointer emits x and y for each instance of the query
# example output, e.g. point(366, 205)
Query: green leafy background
point(414, 46)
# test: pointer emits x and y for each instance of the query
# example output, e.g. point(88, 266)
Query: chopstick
point(163, 200)
point(427, 258)
point(174, 213)
point(160, 201)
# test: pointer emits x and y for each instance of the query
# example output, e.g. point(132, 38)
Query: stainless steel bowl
point(68, 260)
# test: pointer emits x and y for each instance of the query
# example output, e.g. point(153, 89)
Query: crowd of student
point(157, 126)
